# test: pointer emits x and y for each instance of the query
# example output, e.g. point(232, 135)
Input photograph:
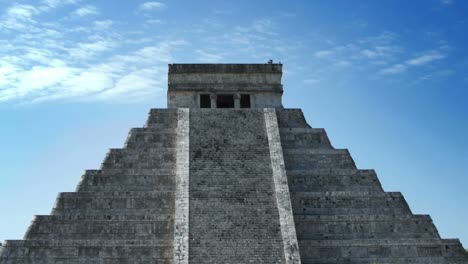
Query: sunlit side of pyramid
point(227, 175)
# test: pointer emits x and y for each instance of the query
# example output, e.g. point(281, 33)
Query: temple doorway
point(225, 101)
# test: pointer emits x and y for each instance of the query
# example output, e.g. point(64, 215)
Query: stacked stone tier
point(225, 172)
point(342, 214)
point(121, 213)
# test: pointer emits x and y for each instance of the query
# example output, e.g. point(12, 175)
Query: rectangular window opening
point(205, 101)
point(225, 101)
point(245, 101)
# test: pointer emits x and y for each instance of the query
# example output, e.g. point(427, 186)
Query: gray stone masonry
point(186, 82)
point(233, 211)
point(283, 199)
point(181, 226)
point(121, 213)
point(341, 213)
point(230, 186)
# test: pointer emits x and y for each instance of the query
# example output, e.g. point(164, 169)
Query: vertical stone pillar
point(181, 219)
point(283, 198)
point(213, 98)
point(237, 100)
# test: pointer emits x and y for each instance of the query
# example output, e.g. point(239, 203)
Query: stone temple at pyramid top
point(225, 85)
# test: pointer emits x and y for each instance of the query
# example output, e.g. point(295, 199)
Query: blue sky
point(386, 79)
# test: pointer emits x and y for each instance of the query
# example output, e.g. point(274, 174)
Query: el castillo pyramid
point(227, 175)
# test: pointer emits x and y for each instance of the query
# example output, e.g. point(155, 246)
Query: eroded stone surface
point(230, 186)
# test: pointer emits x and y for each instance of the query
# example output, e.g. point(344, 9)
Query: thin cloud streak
point(421, 60)
point(86, 10)
point(149, 6)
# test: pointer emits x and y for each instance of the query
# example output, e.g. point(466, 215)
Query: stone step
point(211, 172)
point(146, 172)
point(51, 228)
point(291, 118)
point(209, 169)
point(86, 260)
point(342, 203)
point(151, 130)
point(143, 152)
point(87, 251)
point(333, 180)
point(336, 227)
point(392, 260)
point(218, 189)
point(116, 194)
point(103, 217)
point(138, 212)
point(231, 164)
point(247, 153)
point(293, 138)
point(164, 118)
point(99, 182)
point(158, 163)
point(382, 251)
point(236, 158)
point(152, 156)
point(231, 208)
point(303, 159)
point(236, 251)
point(154, 140)
point(245, 228)
point(136, 171)
point(114, 202)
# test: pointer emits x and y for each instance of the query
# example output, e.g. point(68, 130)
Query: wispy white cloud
point(154, 21)
point(384, 38)
point(362, 54)
point(380, 52)
point(86, 10)
point(423, 59)
point(384, 54)
point(56, 3)
point(48, 61)
point(323, 53)
point(86, 50)
point(426, 58)
point(130, 77)
point(264, 26)
point(148, 6)
point(394, 69)
point(20, 11)
point(103, 24)
point(342, 63)
point(135, 85)
point(204, 56)
point(254, 35)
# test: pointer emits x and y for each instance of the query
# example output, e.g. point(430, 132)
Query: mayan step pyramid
point(227, 175)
